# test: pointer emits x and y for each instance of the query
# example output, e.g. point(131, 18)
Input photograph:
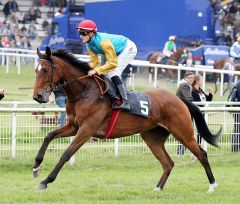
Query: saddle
point(138, 101)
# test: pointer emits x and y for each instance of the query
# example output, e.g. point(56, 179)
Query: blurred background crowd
point(20, 29)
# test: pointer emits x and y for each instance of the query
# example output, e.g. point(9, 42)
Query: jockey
point(118, 50)
point(169, 47)
point(235, 51)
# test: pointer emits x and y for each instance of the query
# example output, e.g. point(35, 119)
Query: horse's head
point(48, 76)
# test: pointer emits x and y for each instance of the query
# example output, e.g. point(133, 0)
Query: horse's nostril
point(38, 98)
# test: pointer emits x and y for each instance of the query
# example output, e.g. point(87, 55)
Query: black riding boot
point(121, 90)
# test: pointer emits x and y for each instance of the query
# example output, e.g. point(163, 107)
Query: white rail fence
point(23, 129)
point(20, 54)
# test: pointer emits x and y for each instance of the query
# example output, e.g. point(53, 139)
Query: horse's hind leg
point(155, 140)
point(202, 157)
point(65, 131)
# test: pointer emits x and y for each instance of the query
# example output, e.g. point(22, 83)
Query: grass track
point(121, 180)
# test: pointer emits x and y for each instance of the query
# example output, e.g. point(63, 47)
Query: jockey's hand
point(92, 72)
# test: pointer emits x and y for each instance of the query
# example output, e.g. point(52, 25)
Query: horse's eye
point(45, 70)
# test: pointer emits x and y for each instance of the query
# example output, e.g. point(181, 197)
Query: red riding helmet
point(88, 25)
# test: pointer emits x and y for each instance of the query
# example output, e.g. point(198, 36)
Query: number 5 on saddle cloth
point(139, 102)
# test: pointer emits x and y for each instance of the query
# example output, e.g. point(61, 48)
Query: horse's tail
point(201, 124)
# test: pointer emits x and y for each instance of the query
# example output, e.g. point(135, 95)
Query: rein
point(96, 78)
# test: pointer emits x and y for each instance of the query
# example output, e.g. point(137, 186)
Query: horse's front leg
point(81, 137)
point(65, 131)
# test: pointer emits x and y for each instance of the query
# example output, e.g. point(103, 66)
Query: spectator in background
point(72, 2)
point(26, 17)
point(46, 26)
point(32, 14)
point(32, 31)
point(59, 11)
point(61, 100)
point(199, 95)
point(185, 88)
point(14, 6)
point(235, 51)
point(5, 41)
point(1, 94)
point(43, 2)
point(185, 91)
point(18, 42)
point(187, 59)
point(7, 8)
point(63, 3)
point(38, 12)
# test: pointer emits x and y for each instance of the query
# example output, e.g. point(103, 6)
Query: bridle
point(52, 86)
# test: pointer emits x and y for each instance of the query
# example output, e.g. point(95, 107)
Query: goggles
point(83, 33)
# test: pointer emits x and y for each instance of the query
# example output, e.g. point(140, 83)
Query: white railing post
point(204, 81)
point(18, 64)
point(72, 159)
point(3, 58)
point(133, 81)
point(14, 132)
point(155, 77)
point(222, 84)
point(116, 153)
point(7, 65)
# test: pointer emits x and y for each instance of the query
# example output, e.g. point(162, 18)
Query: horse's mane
point(73, 60)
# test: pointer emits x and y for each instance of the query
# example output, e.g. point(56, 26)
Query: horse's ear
point(48, 51)
point(39, 53)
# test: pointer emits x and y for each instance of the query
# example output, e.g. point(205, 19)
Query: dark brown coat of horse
point(174, 60)
point(89, 113)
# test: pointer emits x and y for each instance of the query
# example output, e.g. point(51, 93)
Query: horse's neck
point(79, 85)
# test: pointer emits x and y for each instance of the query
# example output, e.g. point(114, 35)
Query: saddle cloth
point(138, 101)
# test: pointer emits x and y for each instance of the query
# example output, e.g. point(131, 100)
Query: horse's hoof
point(42, 186)
point(36, 172)
point(157, 189)
point(212, 188)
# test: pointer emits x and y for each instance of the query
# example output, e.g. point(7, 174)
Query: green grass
point(18, 87)
point(121, 180)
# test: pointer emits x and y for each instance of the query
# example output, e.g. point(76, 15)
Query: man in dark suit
point(185, 91)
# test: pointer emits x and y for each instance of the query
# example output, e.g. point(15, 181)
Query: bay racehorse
point(156, 58)
point(225, 64)
point(89, 112)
